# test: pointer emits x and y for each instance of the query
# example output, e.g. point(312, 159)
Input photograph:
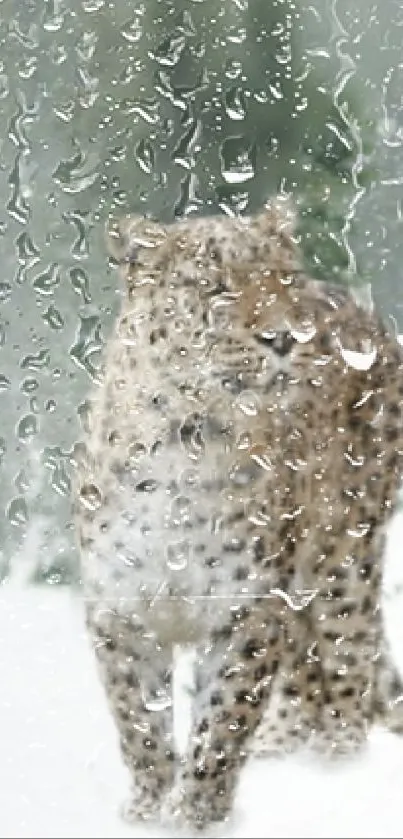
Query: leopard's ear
point(129, 238)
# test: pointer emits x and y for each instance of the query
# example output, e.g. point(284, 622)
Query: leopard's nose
point(279, 342)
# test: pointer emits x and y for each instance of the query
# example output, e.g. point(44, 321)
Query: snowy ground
point(61, 774)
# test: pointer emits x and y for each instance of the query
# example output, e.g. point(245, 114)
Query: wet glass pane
point(172, 110)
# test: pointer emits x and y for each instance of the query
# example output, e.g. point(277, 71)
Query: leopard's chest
point(174, 531)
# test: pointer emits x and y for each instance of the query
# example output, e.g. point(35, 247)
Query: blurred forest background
point(169, 107)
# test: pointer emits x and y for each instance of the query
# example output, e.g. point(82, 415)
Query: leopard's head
point(229, 293)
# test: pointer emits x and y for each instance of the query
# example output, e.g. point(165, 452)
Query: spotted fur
point(243, 457)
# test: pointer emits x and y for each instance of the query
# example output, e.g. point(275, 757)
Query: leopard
point(240, 464)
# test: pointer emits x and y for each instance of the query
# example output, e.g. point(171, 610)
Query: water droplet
point(29, 386)
point(191, 436)
point(136, 453)
point(132, 30)
point(88, 90)
point(248, 402)
point(359, 360)
point(58, 54)
point(190, 478)
point(297, 600)
point(21, 481)
point(177, 555)
point(237, 35)
point(235, 103)
point(244, 441)
point(28, 66)
point(5, 292)
point(46, 281)
point(304, 334)
point(27, 428)
point(17, 511)
point(78, 172)
point(79, 247)
point(27, 252)
point(87, 345)
point(60, 480)
point(180, 510)
point(90, 6)
point(5, 383)
point(242, 474)
point(4, 86)
point(238, 160)
point(80, 283)
point(156, 700)
point(86, 46)
point(233, 69)
point(36, 362)
point(220, 311)
point(186, 145)
point(53, 318)
point(148, 110)
point(262, 459)
point(53, 17)
point(64, 110)
point(353, 457)
point(170, 50)
point(145, 156)
point(363, 527)
point(90, 497)
point(85, 414)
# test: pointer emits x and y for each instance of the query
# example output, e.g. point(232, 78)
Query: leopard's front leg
point(235, 671)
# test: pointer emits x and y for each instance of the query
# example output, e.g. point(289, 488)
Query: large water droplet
point(90, 497)
point(180, 510)
point(145, 156)
point(136, 453)
point(359, 359)
point(90, 6)
point(77, 173)
point(297, 600)
point(177, 555)
point(17, 511)
point(238, 160)
point(170, 50)
point(155, 700)
point(36, 361)
point(248, 402)
point(4, 86)
point(191, 436)
point(132, 30)
point(235, 103)
point(27, 428)
point(220, 311)
point(53, 318)
point(5, 292)
point(46, 281)
point(363, 527)
point(304, 333)
point(80, 283)
point(88, 345)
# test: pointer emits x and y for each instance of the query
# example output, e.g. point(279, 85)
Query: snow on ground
point(61, 773)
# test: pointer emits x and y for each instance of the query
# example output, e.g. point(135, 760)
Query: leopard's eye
point(279, 342)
